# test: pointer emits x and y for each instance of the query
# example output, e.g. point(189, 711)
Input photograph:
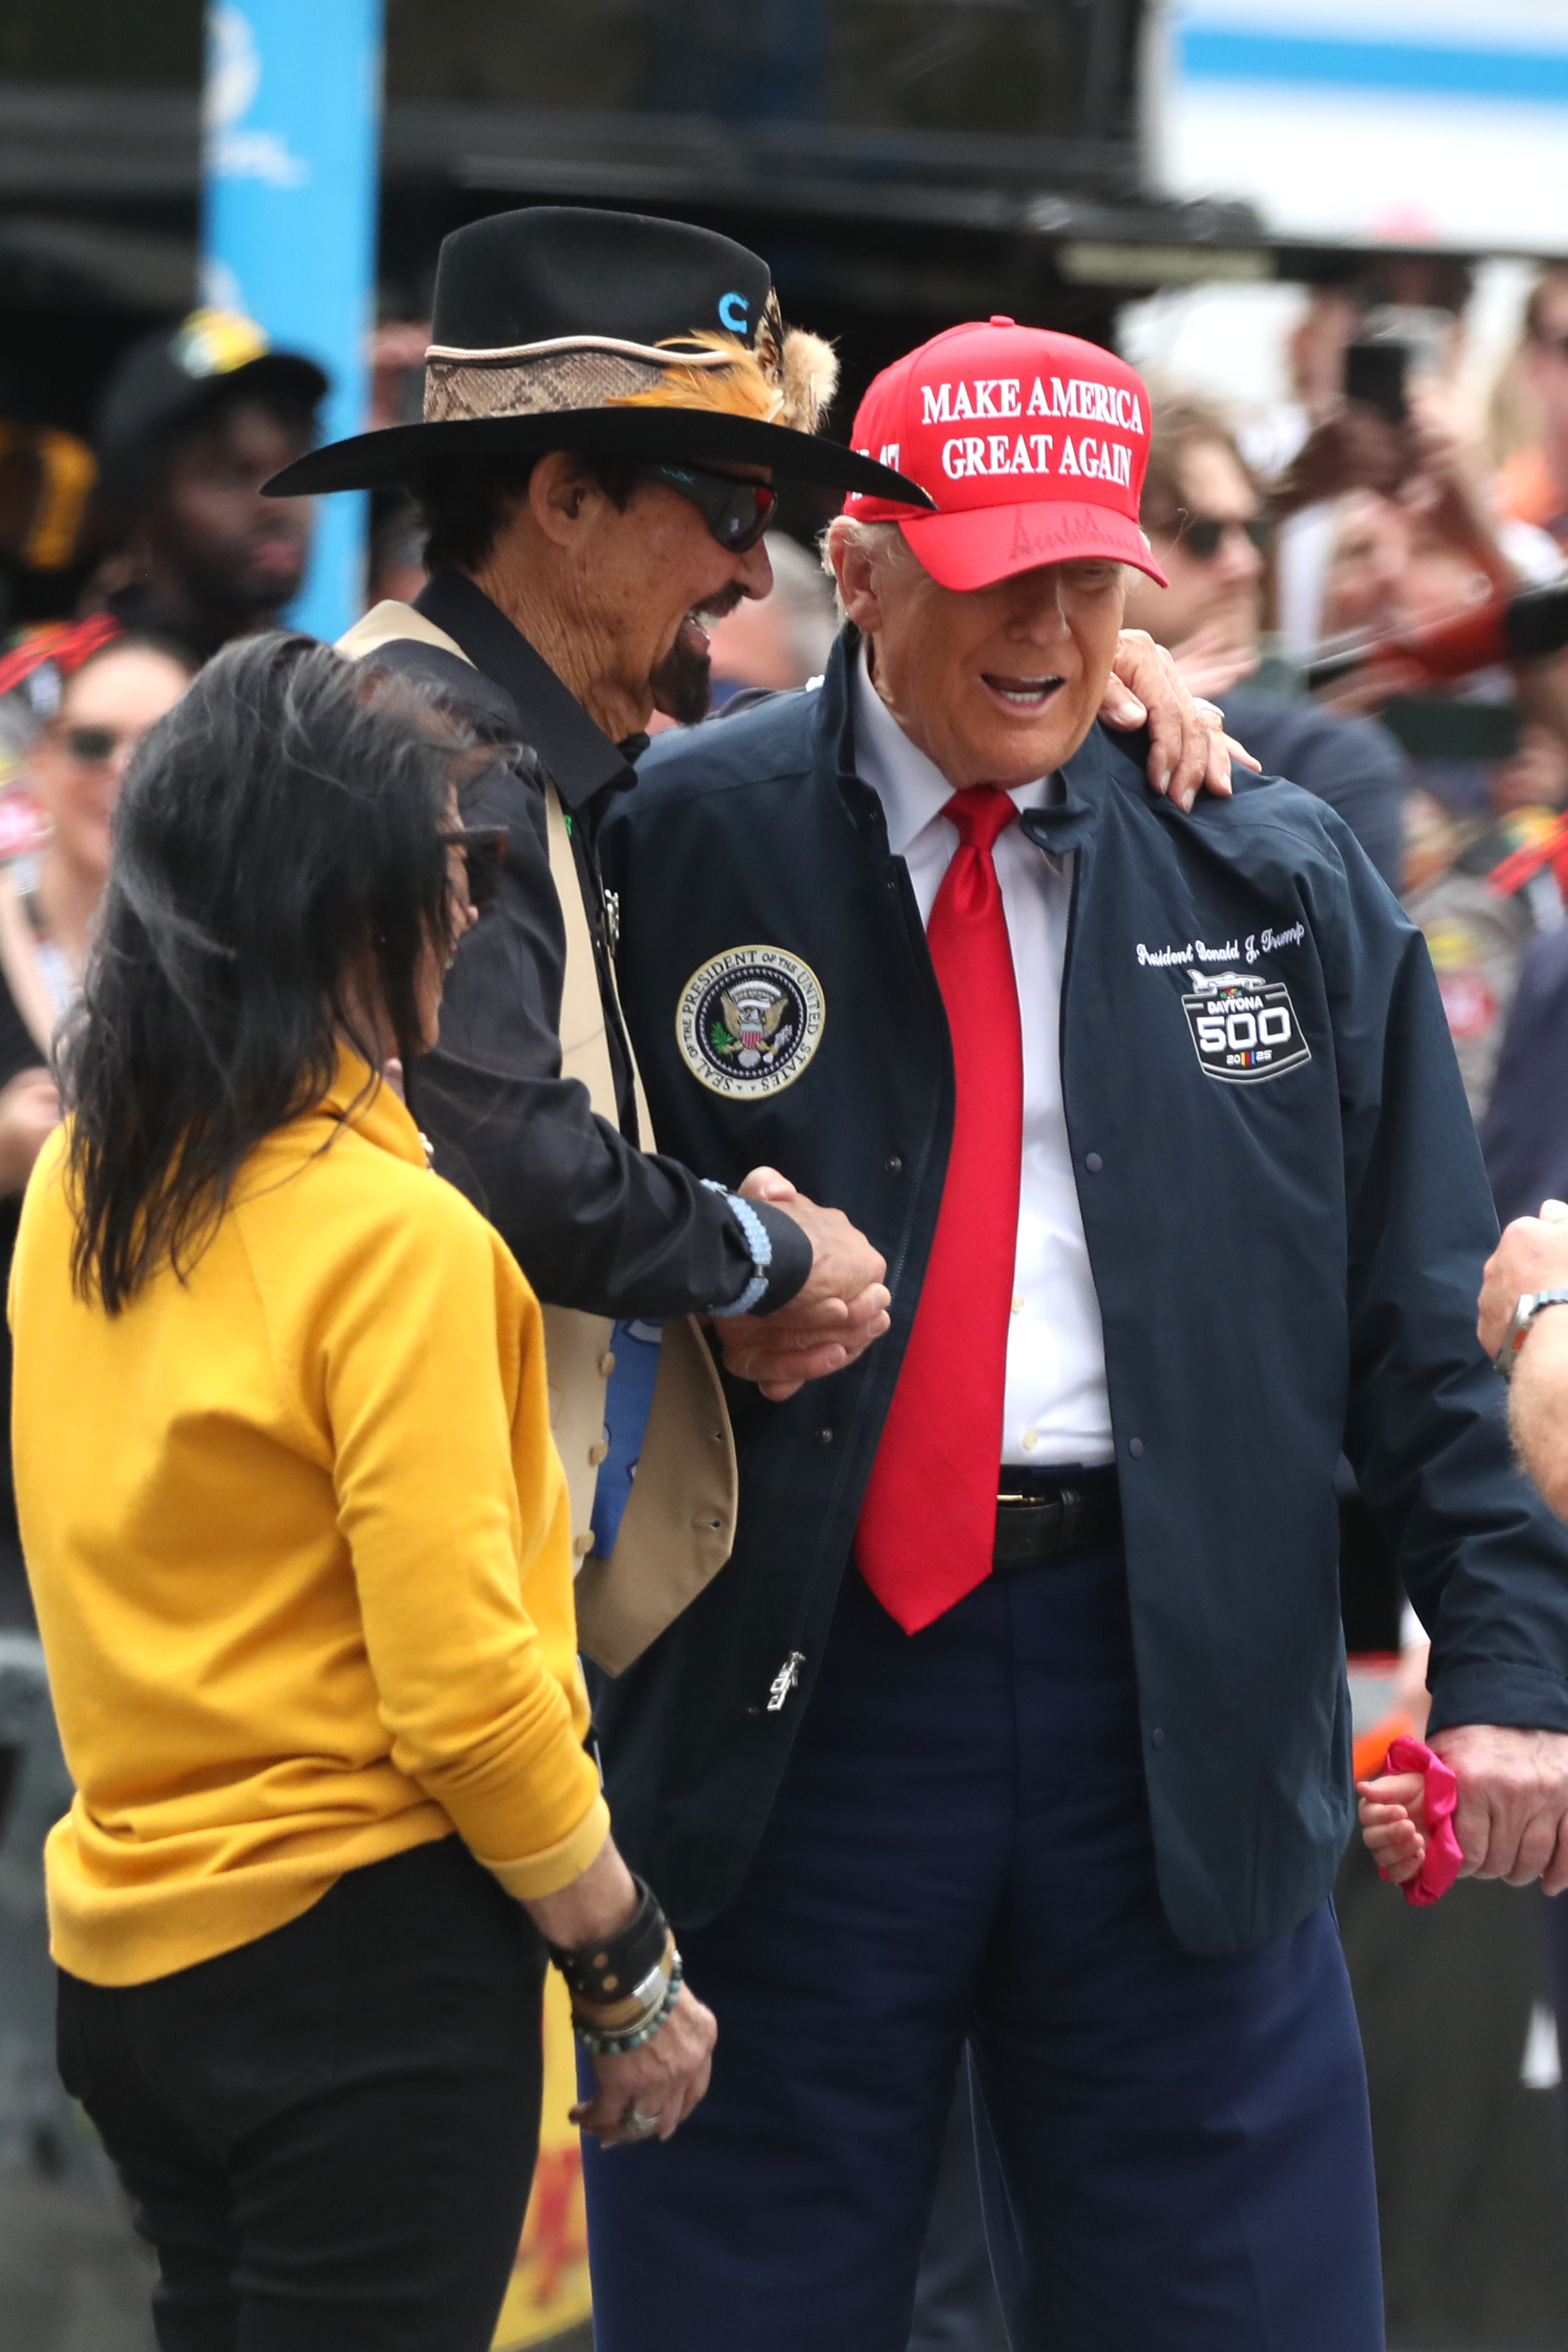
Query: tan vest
point(680, 1524)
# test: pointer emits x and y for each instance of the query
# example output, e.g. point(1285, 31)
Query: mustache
point(719, 606)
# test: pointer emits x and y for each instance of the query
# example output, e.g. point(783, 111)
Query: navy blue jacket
point(1525, 1133)
point(1286, 1214)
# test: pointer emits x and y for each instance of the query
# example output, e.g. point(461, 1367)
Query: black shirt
point(595, 1221)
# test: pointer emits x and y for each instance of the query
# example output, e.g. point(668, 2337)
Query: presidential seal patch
point(750, 1021)
point(1243, 1029)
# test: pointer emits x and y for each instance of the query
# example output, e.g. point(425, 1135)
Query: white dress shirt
point(1058, 1409)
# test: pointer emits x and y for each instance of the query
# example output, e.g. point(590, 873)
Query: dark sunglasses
point(1203, 536)
point(736, 513)
point(484, 854)
point(93, 745)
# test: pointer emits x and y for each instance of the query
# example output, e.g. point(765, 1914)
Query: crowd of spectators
point(1308, 551)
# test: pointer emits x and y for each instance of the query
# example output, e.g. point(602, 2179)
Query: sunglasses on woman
point(736, 513)
point(92, 746)
point(483, 849)
point(1203, 536)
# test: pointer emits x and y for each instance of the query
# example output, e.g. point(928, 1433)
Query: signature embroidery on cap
point(1244, 1028)
point(749, 1021)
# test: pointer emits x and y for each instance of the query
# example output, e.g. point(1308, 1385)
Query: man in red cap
point(1018, 1718)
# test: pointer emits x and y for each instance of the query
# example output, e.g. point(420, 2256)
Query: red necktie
point(928, 1525)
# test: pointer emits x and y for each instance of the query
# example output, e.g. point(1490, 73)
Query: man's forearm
point(1539, 1406)
point(595, 1223)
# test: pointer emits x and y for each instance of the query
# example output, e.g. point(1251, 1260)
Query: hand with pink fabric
point(1407, 1821)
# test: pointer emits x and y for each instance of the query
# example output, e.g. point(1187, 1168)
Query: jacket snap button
point(825, 1437)
point(1093, 1162)
point(895, 1166)
point(1136, 1447)
point(606, 1364)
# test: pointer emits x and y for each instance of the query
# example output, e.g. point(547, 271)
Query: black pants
point(329, 2134)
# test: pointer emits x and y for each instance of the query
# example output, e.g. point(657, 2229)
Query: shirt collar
point(912, 790)
point(579, 755)
point(360, 1098)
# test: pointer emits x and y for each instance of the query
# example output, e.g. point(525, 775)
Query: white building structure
point(1398, 122)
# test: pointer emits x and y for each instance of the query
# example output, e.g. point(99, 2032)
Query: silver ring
point(635, 2124)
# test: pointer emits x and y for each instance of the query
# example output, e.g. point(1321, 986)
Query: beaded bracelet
point(759, 1241)
point(616, 2045)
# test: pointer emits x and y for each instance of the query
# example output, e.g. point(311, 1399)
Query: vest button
point(895, 1166)
point(1136, 1447)
point(1156, 1737)
point(583, 1545)
point(596, 1452)
point(1093, 1162)
point(606, 1364)
point(825, 1437)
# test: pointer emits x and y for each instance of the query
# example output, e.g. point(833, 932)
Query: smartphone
point(1375, 377)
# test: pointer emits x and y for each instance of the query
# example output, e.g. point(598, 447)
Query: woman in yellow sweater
point(299, 1550)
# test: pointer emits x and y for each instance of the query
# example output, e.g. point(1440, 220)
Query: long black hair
point(280, 832)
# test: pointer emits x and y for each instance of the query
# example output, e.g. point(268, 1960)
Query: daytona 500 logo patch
point(749, 1021)
point(1244, 1030)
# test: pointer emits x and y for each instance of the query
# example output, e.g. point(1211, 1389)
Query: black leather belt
point(1053, 1514)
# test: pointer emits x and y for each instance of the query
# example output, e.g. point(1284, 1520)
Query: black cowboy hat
point(557, 328)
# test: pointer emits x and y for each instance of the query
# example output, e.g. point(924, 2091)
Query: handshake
point(842, 1307)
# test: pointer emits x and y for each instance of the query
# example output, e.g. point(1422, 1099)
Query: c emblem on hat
point(749, 1021)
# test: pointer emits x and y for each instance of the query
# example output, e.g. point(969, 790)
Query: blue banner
point(290, 168)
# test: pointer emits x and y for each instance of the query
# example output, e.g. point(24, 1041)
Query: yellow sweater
point(299, 1541)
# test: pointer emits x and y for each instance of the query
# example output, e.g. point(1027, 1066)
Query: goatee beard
point(682, 683)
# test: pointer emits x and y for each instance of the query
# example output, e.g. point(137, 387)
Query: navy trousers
point(961, 1850)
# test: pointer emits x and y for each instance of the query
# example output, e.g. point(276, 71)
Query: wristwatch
point(1524, 1314)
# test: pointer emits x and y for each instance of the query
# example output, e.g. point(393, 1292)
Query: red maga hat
point(1034, 447)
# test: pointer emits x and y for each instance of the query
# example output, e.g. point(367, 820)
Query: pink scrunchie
point(1441, 1865)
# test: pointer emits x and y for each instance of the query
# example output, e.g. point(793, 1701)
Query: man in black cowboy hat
point(608, 401)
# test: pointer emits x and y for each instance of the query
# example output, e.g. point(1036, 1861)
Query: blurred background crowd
point(1335, 240)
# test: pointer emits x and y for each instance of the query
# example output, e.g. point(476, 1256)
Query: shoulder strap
point(584, 1044)
point(585, 1041)
point(385, 623)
